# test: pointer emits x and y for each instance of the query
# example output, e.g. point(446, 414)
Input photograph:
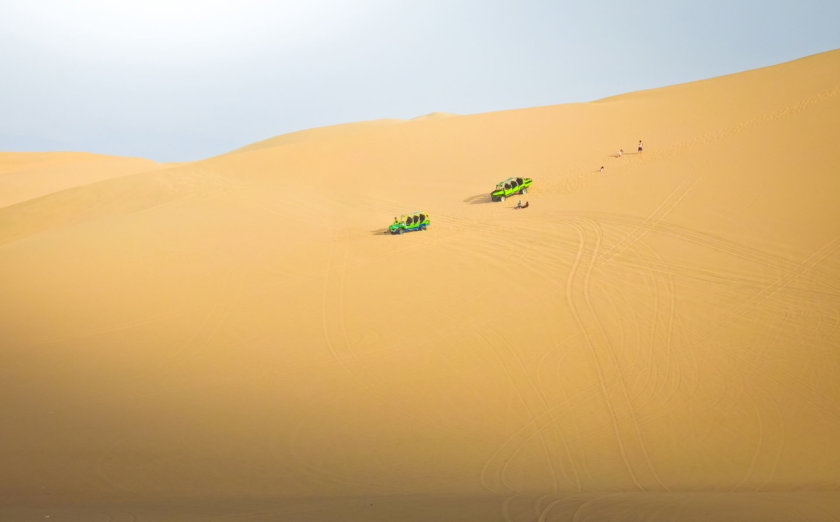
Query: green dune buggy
point(510, 187)
point(409, 222)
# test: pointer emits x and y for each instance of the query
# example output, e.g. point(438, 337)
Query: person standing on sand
point(620, 152)
point(602, 168)
point(640, 146)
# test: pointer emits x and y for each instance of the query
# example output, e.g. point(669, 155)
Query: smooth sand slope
point(28, 175)
point(236, 339)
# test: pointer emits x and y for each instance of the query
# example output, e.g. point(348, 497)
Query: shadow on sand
point(478, 199)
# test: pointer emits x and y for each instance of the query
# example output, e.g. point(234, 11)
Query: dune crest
point(28, 175)
point(435, 115)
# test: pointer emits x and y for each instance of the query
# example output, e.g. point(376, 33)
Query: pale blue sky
point(182, 80)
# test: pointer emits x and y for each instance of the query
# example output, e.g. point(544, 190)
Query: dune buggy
point(510, 187)
point(408, 222)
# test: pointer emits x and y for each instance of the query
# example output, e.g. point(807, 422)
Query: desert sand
point(29, 175)
point(237, 338)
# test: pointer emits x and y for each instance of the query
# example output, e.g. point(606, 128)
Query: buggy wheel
point(501, 198)
point(401, 231)
point(523, 191)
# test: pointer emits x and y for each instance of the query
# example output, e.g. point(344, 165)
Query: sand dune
point(435, 115)
point(237, 338)
point(28, 175)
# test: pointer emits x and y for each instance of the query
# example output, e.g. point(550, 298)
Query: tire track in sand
point(665, 207)
point(594, 350)
point(513, 441)
point(338, 344)
point(340, 347)
point(340, 351)
point(605, 359)
point(540, 422)
point(814, 259)
point(543, 421)
point(611, 353)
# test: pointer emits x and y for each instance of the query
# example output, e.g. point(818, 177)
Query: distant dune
point(320, 134)
point(28, 175)
point(237, 338)
point(435, 115)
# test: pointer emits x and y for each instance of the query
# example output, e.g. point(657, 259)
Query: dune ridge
point(28, 175)
point(237, 337)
